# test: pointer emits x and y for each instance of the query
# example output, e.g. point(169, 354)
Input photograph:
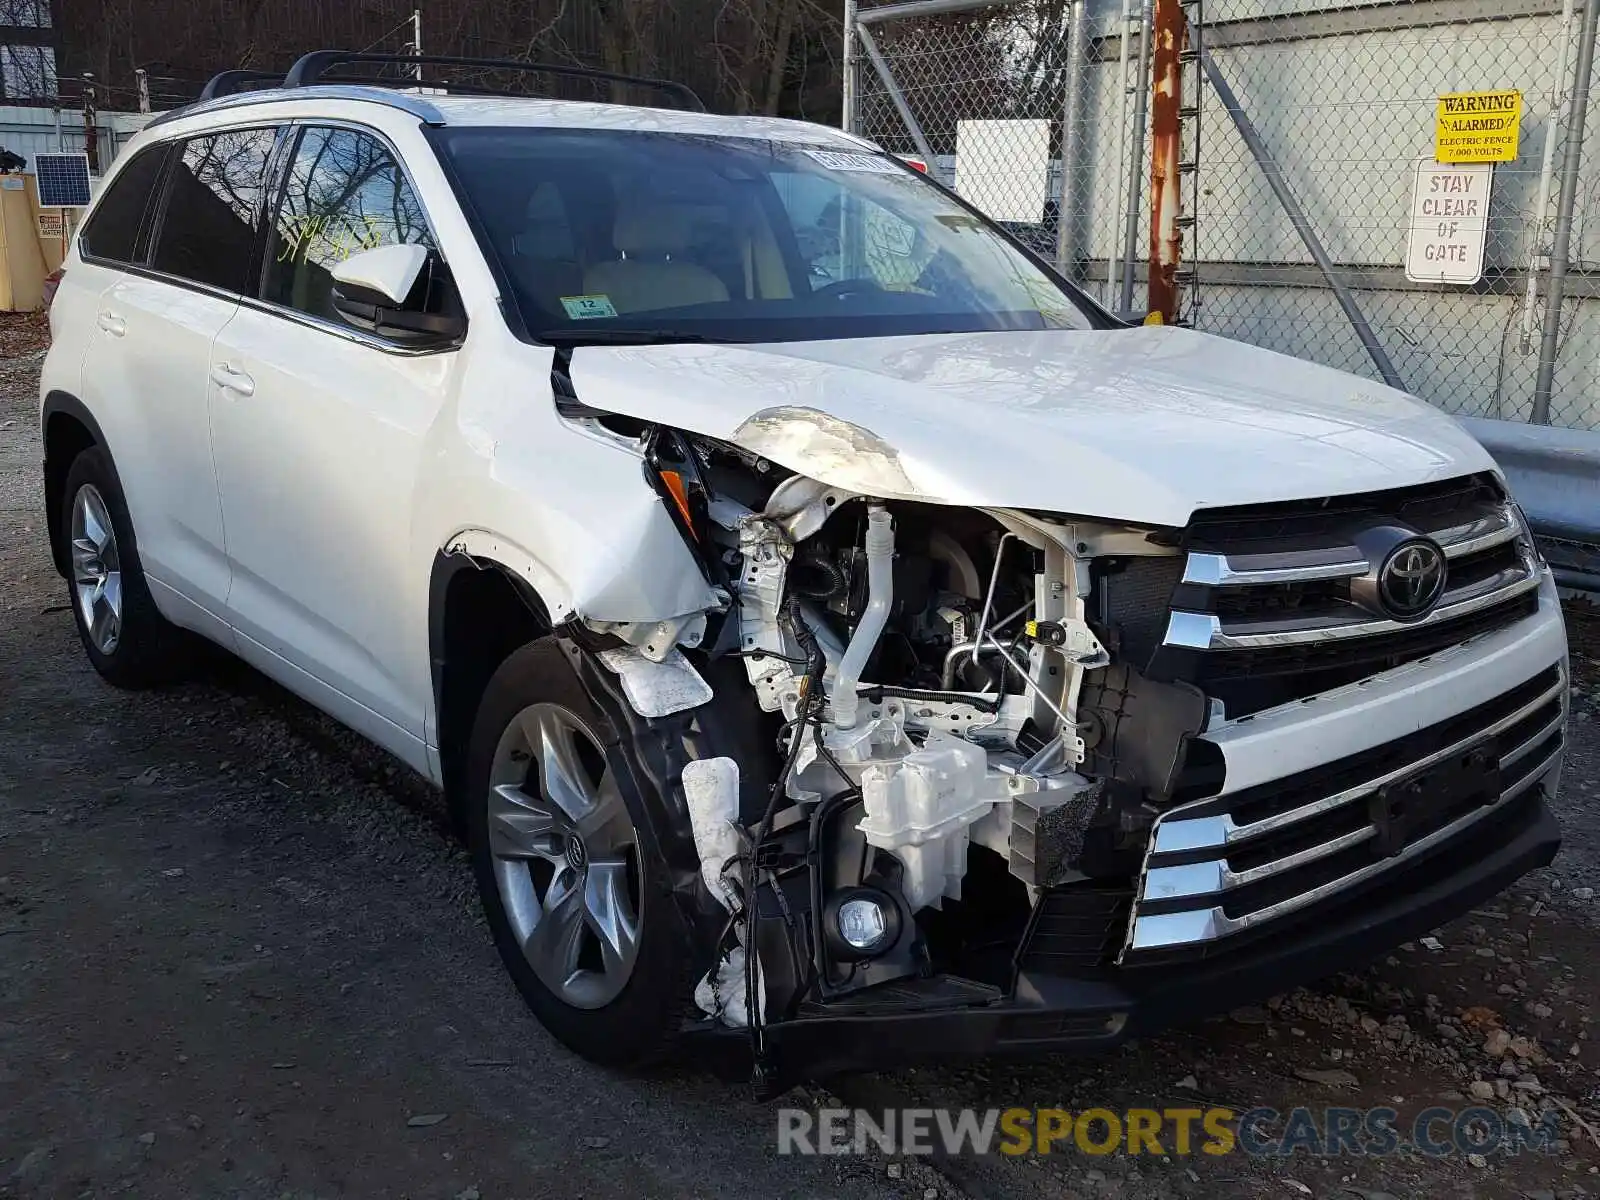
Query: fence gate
point(1291, 148)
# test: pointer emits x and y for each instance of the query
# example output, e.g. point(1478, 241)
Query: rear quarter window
point(112, 233)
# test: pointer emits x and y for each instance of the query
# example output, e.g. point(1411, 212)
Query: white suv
point(799, 590)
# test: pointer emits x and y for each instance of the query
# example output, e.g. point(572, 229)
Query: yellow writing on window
point(330, 237)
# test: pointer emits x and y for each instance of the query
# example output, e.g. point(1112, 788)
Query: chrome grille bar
point(1175, 833)
point(1208, 880)
point(1206, 631)
point(1214, 875)
point(1512, 757)
point(1482, 534)
point(1158, 930)
point(1303, 566)
point(1338, 562)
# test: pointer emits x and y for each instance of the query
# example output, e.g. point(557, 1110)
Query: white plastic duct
point(879, 543)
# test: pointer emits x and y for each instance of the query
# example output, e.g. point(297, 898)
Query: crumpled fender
point(517, 561)
point(655, 750)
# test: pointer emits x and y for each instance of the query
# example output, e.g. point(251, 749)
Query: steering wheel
point(848, 287)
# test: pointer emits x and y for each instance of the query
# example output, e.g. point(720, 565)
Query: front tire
point(574, 889)
point(125, 636)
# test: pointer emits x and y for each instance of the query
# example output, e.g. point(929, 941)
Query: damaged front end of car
point(941, 768)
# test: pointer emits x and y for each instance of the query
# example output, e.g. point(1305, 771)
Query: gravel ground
point(23, 334)
point(1579, 863)
point(239, 956)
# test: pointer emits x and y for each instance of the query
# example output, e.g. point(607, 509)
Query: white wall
point(29, 131)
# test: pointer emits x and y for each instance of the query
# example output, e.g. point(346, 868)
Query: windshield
point(622, 236)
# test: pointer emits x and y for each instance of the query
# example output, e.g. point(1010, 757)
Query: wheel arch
point(483, 604)
point(68, 428)
point(487, 599)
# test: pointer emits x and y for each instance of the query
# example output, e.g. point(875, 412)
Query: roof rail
point(311, 67)
point(417, 106)
point(229, 83)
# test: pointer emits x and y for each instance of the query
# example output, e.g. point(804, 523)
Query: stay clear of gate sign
point(1449, 222)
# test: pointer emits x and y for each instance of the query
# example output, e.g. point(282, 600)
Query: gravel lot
point(239, 956)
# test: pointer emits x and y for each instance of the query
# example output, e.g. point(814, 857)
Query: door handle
point(113, 324)
point(226, 377)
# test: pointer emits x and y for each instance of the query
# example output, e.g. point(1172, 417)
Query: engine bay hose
point(816, 579)
point(879, 545)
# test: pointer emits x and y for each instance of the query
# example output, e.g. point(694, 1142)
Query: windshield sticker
point(837, 161)
point(586, 308)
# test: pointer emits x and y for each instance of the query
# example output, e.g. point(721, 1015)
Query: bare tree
point(28, 72)
point(767, 56)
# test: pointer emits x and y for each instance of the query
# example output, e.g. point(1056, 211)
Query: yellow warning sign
point(1477, 127)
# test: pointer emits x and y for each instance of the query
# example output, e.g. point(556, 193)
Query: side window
point(344, 193)
point(208, 227)
point(113, 231)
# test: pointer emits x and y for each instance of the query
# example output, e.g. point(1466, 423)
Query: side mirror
point(403, 292)
point(390, 271)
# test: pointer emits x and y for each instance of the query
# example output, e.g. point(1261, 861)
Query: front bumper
point(1073, 992)
point(1049, 1013)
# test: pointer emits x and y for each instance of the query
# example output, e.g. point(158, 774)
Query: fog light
point(861, 922)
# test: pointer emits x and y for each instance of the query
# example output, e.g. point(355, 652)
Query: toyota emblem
point(1411, 579)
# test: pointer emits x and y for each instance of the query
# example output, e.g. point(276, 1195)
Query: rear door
point(116, 235)
point(150, 359)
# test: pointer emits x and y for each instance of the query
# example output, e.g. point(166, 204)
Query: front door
point(318, 429)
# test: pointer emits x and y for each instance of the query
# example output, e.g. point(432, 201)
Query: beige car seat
point(652, 237)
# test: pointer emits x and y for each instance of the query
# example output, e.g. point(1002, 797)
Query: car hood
point(1142, 425)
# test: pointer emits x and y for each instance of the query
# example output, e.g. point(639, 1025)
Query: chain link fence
point(1301, 131)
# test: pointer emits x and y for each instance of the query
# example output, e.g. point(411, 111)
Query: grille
point(1135, 597)
point(1263, 607)
point(1319, 665)
point(1299, 524)
point(1076, 931)
point(1220, 866)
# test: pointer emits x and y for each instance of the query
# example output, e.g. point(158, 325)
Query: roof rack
point(229, 83)
point(384, 93)
point(311, 68)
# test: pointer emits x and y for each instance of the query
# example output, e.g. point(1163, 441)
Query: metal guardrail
point(1555, 476)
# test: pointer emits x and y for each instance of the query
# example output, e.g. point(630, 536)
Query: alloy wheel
point(96, 569)
point(566, 855)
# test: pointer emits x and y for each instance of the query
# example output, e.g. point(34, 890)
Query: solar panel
point(63, 180)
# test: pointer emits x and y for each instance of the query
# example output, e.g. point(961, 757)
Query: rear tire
point(574, 888)
point(125, 636)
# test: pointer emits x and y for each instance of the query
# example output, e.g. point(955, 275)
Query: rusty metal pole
point(1170, 30)
point(91, 135)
